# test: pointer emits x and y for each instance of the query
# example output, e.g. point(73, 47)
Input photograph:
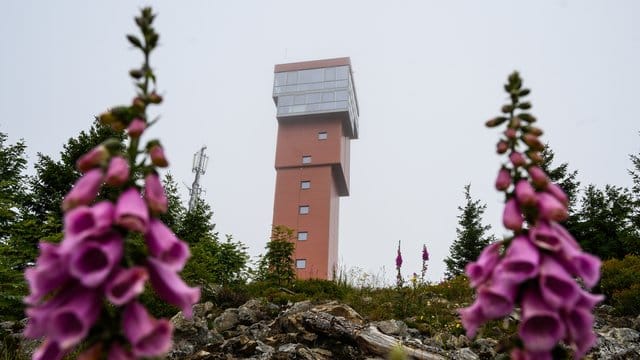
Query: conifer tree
point(471, 235)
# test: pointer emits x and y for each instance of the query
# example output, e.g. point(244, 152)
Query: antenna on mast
point(200, 161)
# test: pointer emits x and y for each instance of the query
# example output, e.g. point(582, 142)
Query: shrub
point(620, 283)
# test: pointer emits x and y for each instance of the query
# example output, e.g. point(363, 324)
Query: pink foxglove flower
point(165, 246)
point(154, 194)
point(540, 262)
point(170, 287)
point(503, 180)
point(136, 128)
point(148, 336)
point(118, 171)
point(70, 281)
point(512, 217)
point(94, 158)
point(525, 193)
point(480, 270)
point(126, 285)
point(131, 211)
point(84, 191)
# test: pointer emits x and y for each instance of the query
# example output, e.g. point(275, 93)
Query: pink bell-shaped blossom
point(156, 153)
point(551, 208)
point(94, 158)
point(496, 299)
point(425, 253)
point(472, 318)
point(148, 336)
point(589, 300)
point(503, 180)
point(84, 222)
point(69, 324)
point(541, 327)
point(512, 217)
point(84, 191)
point(116, 352)
point(171, 288)
point(579, 322)
point(557, 287)
point(525, 193)
point(118, 171)
point(131, 211)
point(49, 273)
point(521, 261)
point(556, 191)
point(480, 270)
point(136, 128)
point(582, 264)
point(93, 261)
point(545, 237)
point(40, 314)
point(126, 285)
point(154, 194)
point(49, 350)
point(165, 246)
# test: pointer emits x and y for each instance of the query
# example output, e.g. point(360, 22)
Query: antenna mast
point(200, 161)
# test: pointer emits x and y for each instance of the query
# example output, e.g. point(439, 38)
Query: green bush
point(620, 283)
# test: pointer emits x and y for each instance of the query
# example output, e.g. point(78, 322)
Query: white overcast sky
point(428, 74)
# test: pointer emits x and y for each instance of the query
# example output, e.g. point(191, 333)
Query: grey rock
point(227, 320)
point(393, 327)
point(465, 354)
point(617, 343)
point(485, 348)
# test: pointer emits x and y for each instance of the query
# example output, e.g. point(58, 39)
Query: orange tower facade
point(317, 114)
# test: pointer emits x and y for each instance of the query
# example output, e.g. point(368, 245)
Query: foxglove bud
point(502, 147)
point(533, 142)
point(131, 211)
point(538, 177)
point(525, 193)
point(510, 133)
point(556, 191)
point(551, 208)
point(154, 98)
point(496, 121)
point(118, 171)
point(512, 218)
point(533, 130)
point(503, 180)
point(136, 128)
point(535, 156)
point(157, 156)
point(517, 159)
point(84, 191)
point(95, 157)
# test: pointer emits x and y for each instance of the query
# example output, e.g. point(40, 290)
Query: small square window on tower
point(303, 209)
point(301, 263)
point(322, 135)
point(306, 159)
point(305, 184)
point(303, 235)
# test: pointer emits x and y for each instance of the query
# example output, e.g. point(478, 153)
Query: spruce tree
point(471, 235)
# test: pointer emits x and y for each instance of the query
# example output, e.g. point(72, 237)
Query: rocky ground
point(331, 330)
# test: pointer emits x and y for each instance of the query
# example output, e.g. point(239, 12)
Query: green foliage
point(276, 266)
point(604, 224)
point(471, 236)
point(55, 178)
point(175, 210)
point(212, 261)
point(12, 192)
point(620, 283)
